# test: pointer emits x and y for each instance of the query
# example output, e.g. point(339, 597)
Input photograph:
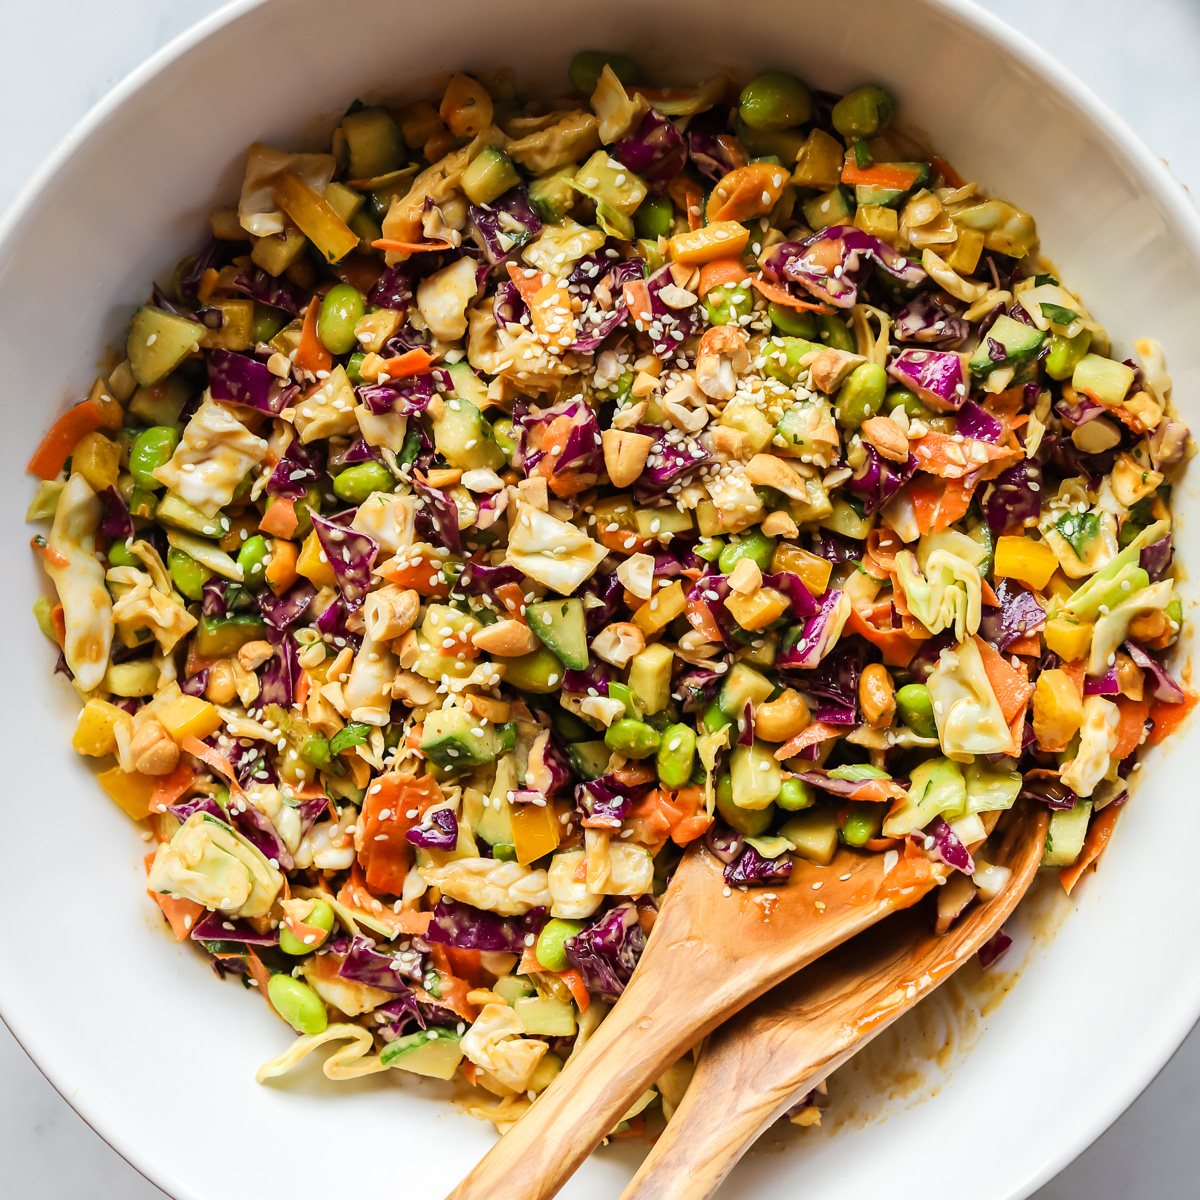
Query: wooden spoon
point(755, 1067)
point(710, 953)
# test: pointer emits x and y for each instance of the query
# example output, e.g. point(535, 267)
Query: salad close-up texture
point(518, 490)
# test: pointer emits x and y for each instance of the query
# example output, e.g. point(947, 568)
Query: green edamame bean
point(119, 555)
point(354, 367)
point(653, 217)
point(551, 948)
point(1066, 353)
point(588, 65)
point(1175, 613)
point(864, 822)
point(342, 309)
point(749, 822)
point(711, 719)
point(268, 322)
point(634, 739)
point(782, 357)
point(297, 1004)
point(773, 101)
point(754, 545)
point(676, 755)
point(152, 448)
point(187, 574)
point(321, 917)
point(861, 396)
point(356, 483)
point(142, 503)
point(795, 794)
point(835, 333)
point(253, 558)
point(915, 707)
point(864, 112)
point(793, 322)
point(899, 397)
point(504, 851)
point(725, 304)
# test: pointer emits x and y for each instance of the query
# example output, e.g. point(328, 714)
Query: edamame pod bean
point(793, 322)
point(863, 112)
point(909, 401)
point(588, 65)
point(915, 707)
point(151, 449)
point(749, 822)
point(342, 309)
point(676, 755)
point(725, 304)
point(551, 948)
point(754, 545)
point(186, 573)
point(864, 822)
point(268, 322)
point(119, 555)
point(504, 851)
point(712, 719)
point(634, 739)
point(1066, 353)
point(773, 101)
point(253, 558)
point(861, 396)
point(297, 1004)
point(795, 794)
point(321, 917)
point(356, 483)
point(653, 217)
point(835, 333)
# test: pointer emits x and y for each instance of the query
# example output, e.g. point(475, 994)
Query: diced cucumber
point(650, 677)
point(374, 141)
point(435, 1052)
point(590, 759)
point(538, 671)
point(161, 403)
point(468, 385)
point(651, 522)
point(158, 342)
point(453, 739)
point(937, 787)
point(834, 207)
point(464, 438)
point(553, 195)
point(845, 520)
point(345, 202)
point(607, 181)
point(543, 1016)
point(513, 988)
point(797, 424)
point(756, 776)
point(743, 684)
point(495, 823)
point(220, 637)
point(1019, 342)
point(490, 175)
point(174, 510)
point(814, 833)
point(865, 193)
point(1064, 841)
point(560, 624)
point(749, 822)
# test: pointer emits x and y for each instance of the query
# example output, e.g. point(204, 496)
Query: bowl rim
point(1110, 1101)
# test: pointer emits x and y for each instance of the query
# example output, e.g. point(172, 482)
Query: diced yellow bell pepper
point(1060, 587)
point(968, 246)
point(132, 791)
point(536, 831)
point(1057, 710)
point(819, 163)
point(1023, 559)
point(190, 715)
point(98, 460)
point(312, 565)
point(814, 572)
point(880, 222)
point(708, 519)
point(757, 610)
point(661, 609)
point(314, 217)
point(721, 239)
point(1068, 640)
point(95, 735)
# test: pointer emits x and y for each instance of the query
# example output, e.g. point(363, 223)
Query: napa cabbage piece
point(936, 788)
point(257, 211)
point(570, 898)
point(948, 596)
point(1104, 587)
point(1082, 536)
point(368, 691)
point(1097, 741)
point(212, 458)
point(558, 246)
point(1112, 628)
point(210, 863)
point(494, 1044)
point(331, 409)
point(990, 787)
point(387, 518)
point(506, 888)
point(968, 715)
point(614, 109)
point(350, 1061)
point(141, 605)
point(553, 552)
point(443, 299)
point(616, 868)
point(79, 580)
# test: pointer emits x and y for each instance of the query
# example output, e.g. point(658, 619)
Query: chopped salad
point(517, 492)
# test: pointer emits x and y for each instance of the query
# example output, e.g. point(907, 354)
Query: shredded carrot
point(989, 596)
point(181, 914)
point(51, 456)
point(394, 247)
point(637, 1126)
point(946, 171)
point(1168, 717)
point(878, 791)
point(721, 271)
point(574, 981)
point(411, 362)
point(470, 1072)
point(781, 296)
point(700, 618)
point(421, 574)
point(58, 622)
point(527, 281)
point(1132, 728)
point(513, 599)
point(303, 687)
point(311, 354)
point(54, 558)
point(818, 731)
point(280, 519)
point(1097, 838)
point(940, 454)
point(686, 195)
point(1012, 687)
point(530, 964)
point(897, 647)
point(218, 762)
point(937, 504)
point(634, 774)
point(891, 176)
point(385, 854)
point(637, 297)
point(259, 974)
point(171, 788)
point(1029, 644)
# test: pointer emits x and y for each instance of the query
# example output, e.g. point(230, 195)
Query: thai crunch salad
point(515, 492)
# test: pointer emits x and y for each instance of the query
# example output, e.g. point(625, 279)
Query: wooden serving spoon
point(711, 952)
point(754, 1067)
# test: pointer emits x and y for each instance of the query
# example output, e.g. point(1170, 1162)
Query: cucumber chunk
point(452, 738)
point(435, 1052)
point(158, 342)
point(560, 625)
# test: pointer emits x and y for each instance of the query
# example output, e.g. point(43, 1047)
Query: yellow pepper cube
point(313, 565)
point(536, 831)
point(968, 246)
point(721, 239)
point(190, 715)
point(880, 222)
point(661, 609)
point(1068, 640)
point(98, 460)
point(819, 163)
point(1057, 710)
point(757, 610)
point(1021, 558)
point(96, 733)
point(132, 791)
point(814, 572)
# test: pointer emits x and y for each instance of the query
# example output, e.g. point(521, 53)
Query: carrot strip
point(394, 247)
point(897, 647)
point(1168, 717)
point(51, 456)
point(946, 171)
point(411, 362)
point(1012, 687)
point(218, 762)
point(527, 281)
point(881, 175)
point(1099, 833)
point(1029, 644)
point(818, 731)
point(574, 981)
point(781, 296)
point(721, 271)
point(1132, 726)
point(171, 788)
point(311, 354)
point(54, 558)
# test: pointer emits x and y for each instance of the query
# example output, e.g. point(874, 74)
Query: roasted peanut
point(153, 750)
point(782, 718)
point(222, 683)
point(877, 696)
point(506, 638)
point(253, 654)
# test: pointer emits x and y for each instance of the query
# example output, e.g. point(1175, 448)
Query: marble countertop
point(1139, 57)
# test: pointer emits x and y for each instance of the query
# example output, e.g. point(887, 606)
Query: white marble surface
point(1139, 55)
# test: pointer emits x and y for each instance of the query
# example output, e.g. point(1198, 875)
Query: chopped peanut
point(877, 696)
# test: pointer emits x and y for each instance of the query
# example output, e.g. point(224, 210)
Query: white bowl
point(134, 1031)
